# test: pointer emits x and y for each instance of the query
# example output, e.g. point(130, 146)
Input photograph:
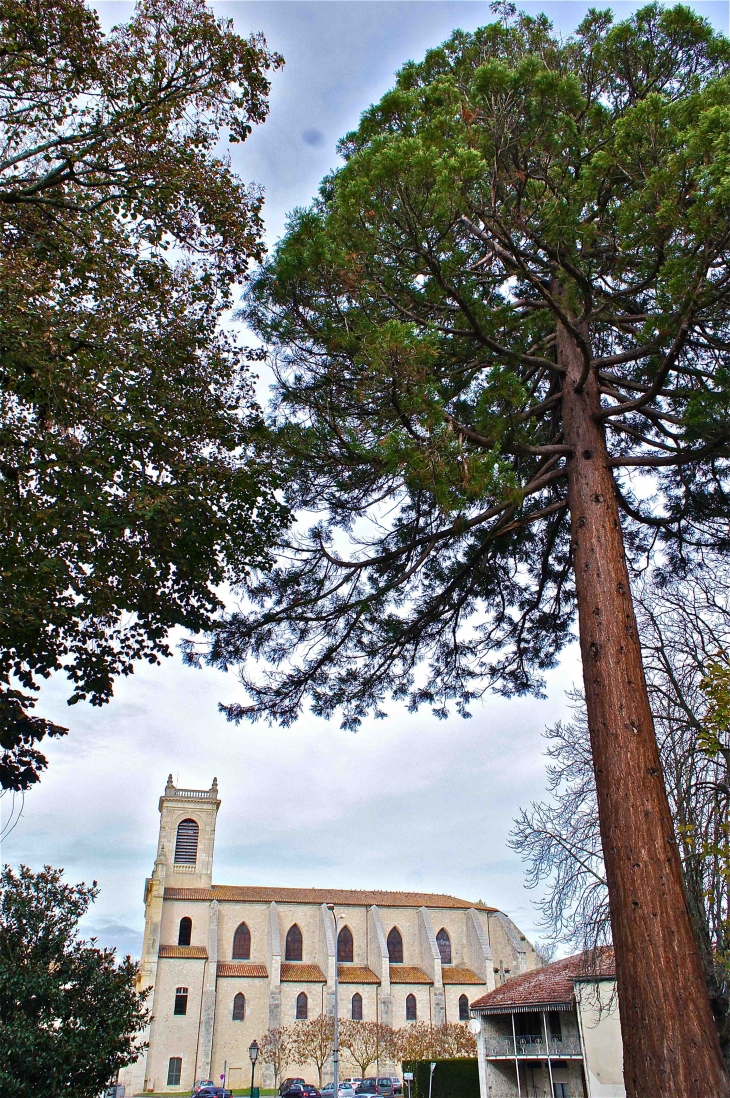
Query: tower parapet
point(187, 835)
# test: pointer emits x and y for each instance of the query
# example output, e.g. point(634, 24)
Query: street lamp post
point(336, 1049)
point(253, 1053)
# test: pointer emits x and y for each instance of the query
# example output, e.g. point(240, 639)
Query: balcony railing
point(531, 1047)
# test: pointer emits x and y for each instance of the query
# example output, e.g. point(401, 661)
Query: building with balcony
point(228, 962)
point(552, 1033)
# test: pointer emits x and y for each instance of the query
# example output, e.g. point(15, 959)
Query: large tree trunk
point(671, 1049)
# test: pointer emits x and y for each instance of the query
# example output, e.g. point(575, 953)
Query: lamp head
point(253, 1051)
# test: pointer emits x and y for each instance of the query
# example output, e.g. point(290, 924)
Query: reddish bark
point(673, 1051)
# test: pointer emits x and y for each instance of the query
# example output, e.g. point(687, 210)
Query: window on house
point(186, 842)
point(185, 931)
point(555, 1025)
point(463, 1008)
point(444, 943)
point(411, 1008)
point(294, 944)
point(174, 1070)
point(395, 947)
point(356, 1012)
point(528, 1024)
point(242, 943)
point(345, 947)
point(239, 1007)
point(181, 1000)
point(302, 1005)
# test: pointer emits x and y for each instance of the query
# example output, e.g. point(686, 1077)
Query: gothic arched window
point(242, 943)
point(185, 931)
point(239, 1007)
point(444, 943)
point(294, 945)
point(301, 1005)
point(345, 945)
point(395, 947)
point(186, 842)
point(356, 1012)
point(463, 1008)
point(411, 1009)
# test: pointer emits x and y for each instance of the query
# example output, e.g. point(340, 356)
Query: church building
point(228, 962)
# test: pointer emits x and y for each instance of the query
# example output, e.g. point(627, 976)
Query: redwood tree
point(501, 339)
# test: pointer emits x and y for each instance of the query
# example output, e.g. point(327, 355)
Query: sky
point(409, 802)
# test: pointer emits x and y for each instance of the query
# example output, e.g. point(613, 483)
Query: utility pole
point(336, 1049)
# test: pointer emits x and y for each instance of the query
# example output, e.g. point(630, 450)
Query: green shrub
point(451, 1078)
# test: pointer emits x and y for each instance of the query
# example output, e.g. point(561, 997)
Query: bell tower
point(187, 835)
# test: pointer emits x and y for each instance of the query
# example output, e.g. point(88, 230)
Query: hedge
point(451, 1078)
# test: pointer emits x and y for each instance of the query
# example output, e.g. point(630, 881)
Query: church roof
point(244, 971)
point(298, 973)
point(551, 986)
point(455, 974)
point(340, 896)
point(408, 974)
point(198, 953)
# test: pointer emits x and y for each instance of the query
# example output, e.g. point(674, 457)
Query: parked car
point(354, 1081)
point(200, 1084)
point(288, 1082)
point(397, 1085)
point(214, 1092)
point(385, 1085)
point(345, 1088)
point(310, 1091)
point(368, 1086)
point(295, 1090)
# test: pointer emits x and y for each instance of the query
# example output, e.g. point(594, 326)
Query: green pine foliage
point(509, 183)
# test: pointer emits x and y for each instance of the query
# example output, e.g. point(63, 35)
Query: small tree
point(275, 1048)
point(312, 1041)
point(69, 1012)
point(365, 1042)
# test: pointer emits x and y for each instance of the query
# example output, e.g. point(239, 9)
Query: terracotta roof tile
point(452, 974)
point(224, 969)
point(552, 985)
point(340, 896)
point(408, 974)
point(297, 973)
point(199, 953)
point(356, 974)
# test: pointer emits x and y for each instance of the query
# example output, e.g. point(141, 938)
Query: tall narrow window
point(395, 947)
point(356, 1013)
point(345, 949)
point(174, 1070)
point(242, 943)
point(411, 1009)
point(293, 944)
point(463, 1008)
point(186, 843)
point(185, 931)
point(444, 943)
point(181, 1000)
point(301, 1005)
point(239, 1007)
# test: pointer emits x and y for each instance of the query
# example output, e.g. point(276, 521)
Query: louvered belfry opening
point(186, 842)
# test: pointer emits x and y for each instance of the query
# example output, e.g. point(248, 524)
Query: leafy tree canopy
point(69, 1013)
point(129, 488)
point(509, 185)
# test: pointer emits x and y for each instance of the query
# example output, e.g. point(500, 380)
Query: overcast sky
point(409, 802)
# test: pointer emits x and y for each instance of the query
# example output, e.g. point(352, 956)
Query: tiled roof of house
point(199, 953)
point(453, 974)
point(340, 896)
point(356, 974)
point(408, 974)
point(298, 973)
point(549, 986)
point(246, 971)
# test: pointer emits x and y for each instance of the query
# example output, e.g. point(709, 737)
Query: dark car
point(202, 1084)
point(385, 1085)
point(286, 1084)
point(368, 1086)
point(310, 1090)
point(214, 1092)
point(296, 1090)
